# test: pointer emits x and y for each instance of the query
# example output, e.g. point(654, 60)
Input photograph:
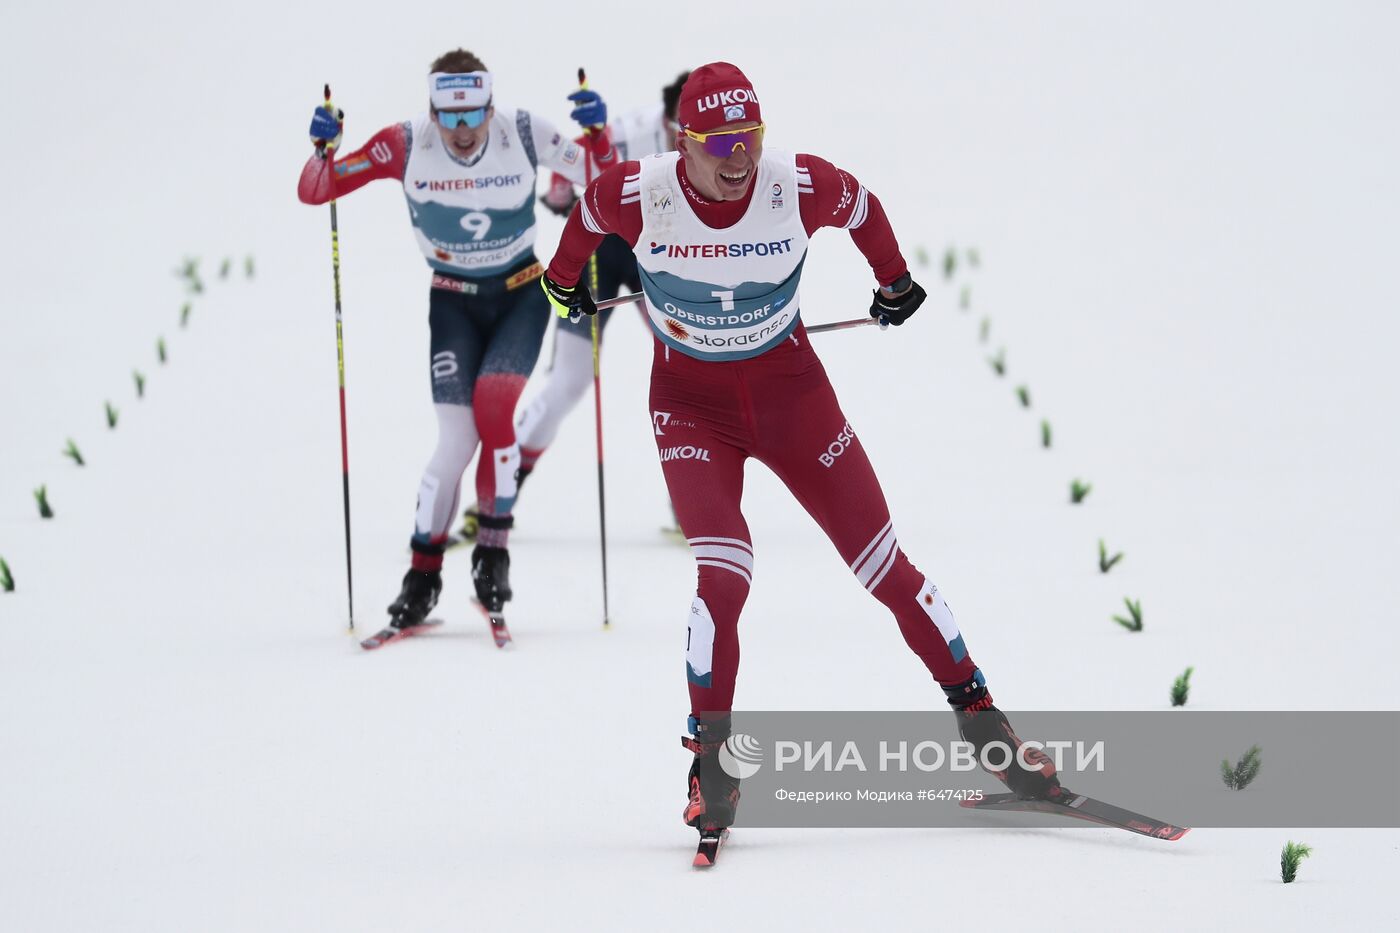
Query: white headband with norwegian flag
point(459, 91)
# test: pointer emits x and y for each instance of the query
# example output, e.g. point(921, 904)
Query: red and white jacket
point(722, 278)
point(834, 198)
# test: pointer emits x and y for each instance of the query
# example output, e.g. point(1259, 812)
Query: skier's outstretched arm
point(327, 175)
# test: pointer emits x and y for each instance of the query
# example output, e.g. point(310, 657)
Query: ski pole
point(597, 389)
point(340, 366)
point(842, 325)
point(619, 300)
point(598, 423)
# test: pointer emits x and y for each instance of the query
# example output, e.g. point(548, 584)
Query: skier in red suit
point(720, 230)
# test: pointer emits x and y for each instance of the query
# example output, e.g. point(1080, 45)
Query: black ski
point(1083, 808)
point(711, 840)
point(390, 634)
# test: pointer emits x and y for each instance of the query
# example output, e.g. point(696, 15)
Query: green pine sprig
point(111, 416)
point(1045, 433)
point(950, 263)
point(1244, 771)
point(974, 258)
point(999, 362)
point(224, 267)
point(160, 350)
point(1293, 853)
point(1181, 688)
point(985, 330)
point(1133, 624)
point(248, 266)
point(41, 496)
point(1105, 562)
point(1078, 490)
point(965, 297)
point(921, 257)
point(140, 383)
point(72, 453)
point(7, 579)
point(189, 271)
point(1024, 394)
point(185, 314)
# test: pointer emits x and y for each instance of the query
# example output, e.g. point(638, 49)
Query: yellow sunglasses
point(722, 143)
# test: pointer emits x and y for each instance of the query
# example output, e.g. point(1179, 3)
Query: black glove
point(897, 310)
point(569, 301)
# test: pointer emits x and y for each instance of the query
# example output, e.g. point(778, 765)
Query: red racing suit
point(778, 407)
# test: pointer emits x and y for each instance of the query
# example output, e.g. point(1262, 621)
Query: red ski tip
point(500, 633)
point(708, 850)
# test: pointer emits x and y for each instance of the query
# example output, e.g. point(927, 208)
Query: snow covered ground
point(1185, 215)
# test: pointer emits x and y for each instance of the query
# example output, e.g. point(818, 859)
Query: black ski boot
point(491, 574)
point(713, 792)
point(417, 598)
point(980, 724)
